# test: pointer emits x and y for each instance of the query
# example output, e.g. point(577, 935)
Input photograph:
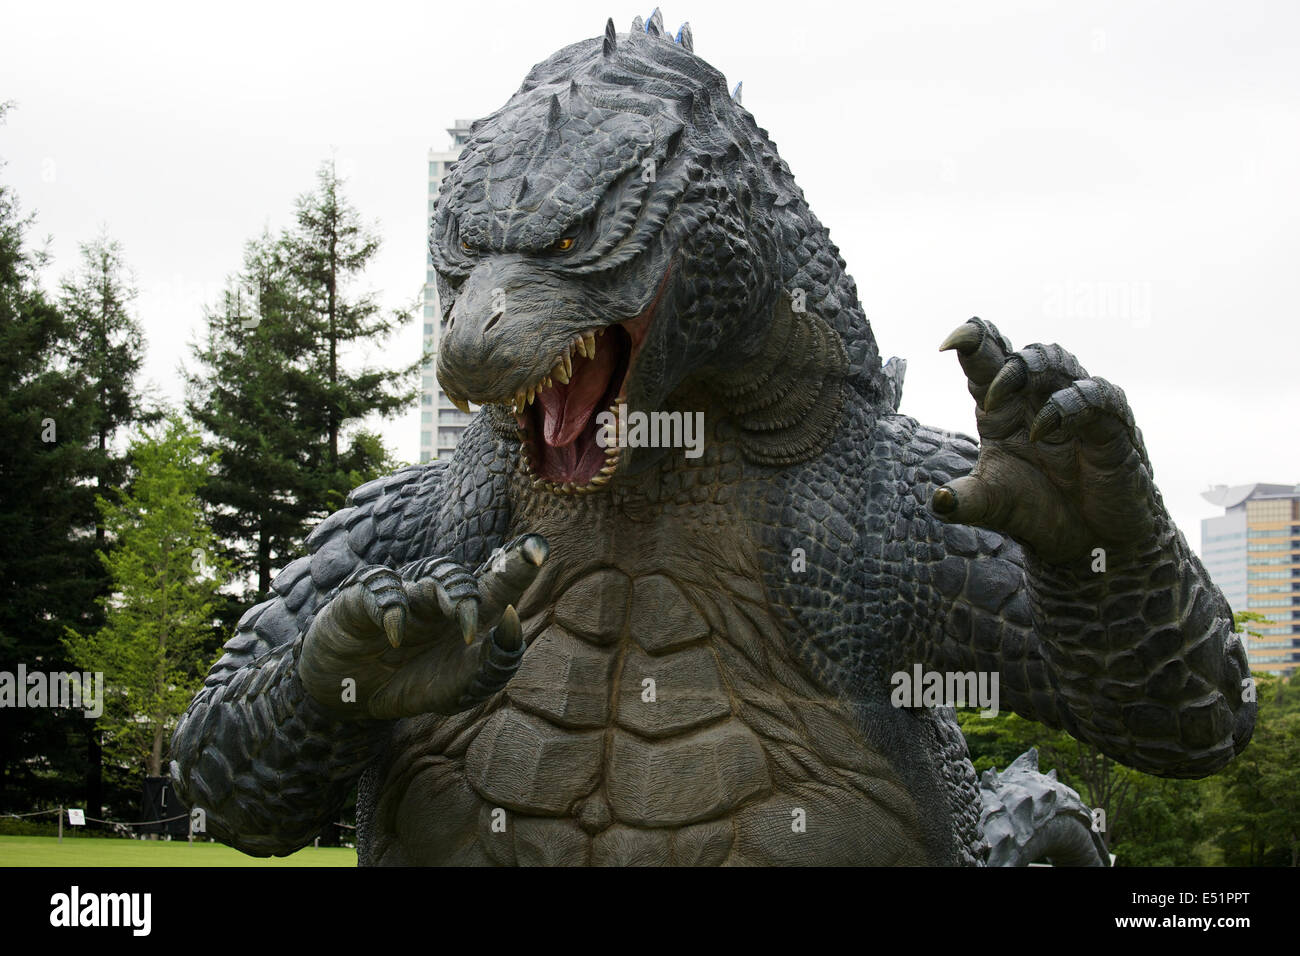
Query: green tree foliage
point(248, 396)
point(275, 389)
point(49, 575)
point(165, 573)
point(1150, 821)
point(327, 252)
point(105, 347)
point(1256, 813)
point(1248, 814)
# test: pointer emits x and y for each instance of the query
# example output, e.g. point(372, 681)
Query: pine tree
point(105, 347)
point(49, 576)
point(248, 397)
point(165, 572)
point(275, 390)
point(327, 252)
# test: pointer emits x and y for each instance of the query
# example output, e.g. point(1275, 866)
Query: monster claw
point(395, 625)
point(509, 633)
point(535, 549)
point(467, 613)
point(1046, 422)
point(966, 338)
point(944, 501)
point(1009, 380)
point(459, 403)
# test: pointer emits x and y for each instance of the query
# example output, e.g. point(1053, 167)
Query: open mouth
point(565, 448)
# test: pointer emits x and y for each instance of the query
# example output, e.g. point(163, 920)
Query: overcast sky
point(1118, 177)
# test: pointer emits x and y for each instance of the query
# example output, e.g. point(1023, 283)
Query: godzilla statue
point(572, 643)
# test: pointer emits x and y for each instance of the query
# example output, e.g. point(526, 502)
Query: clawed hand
point(1061, 468)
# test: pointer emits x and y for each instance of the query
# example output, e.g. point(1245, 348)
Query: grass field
point(47, 851)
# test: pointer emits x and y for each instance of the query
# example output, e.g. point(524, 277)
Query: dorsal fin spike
point(554, 114)
point(735, 94)
point(638, 25)
point(655, 25)
point(684, 37)
point(611, 42)
point(578, 104)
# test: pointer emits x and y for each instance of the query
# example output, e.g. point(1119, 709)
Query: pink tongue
point(566, 409)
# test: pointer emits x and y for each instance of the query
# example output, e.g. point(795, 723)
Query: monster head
point(611, 233)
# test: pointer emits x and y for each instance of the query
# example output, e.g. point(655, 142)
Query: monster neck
point(786, 403)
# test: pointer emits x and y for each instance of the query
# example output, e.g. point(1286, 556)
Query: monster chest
point(622, 690)
point(654, 718)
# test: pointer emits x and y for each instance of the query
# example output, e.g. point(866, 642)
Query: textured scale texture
point(710, 641)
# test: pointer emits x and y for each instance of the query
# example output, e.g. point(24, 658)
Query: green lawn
point(47, 851)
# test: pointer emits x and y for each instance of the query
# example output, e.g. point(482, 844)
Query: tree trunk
point(332, 283)
point(263, 563)
point(94, 771)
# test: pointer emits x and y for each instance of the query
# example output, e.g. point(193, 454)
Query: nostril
point(496, 316)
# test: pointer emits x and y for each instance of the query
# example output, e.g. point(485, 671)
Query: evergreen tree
point(165, 574)
point(105, 347)
point(48, 572)
point(249, 398)
point(327, 252)
point(275, 390)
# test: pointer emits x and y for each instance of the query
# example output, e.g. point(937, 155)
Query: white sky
point(1118, 177)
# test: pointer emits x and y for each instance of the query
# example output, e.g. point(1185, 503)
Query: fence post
point(60, 824)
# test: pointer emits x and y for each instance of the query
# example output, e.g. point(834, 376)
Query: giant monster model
point(565, 645)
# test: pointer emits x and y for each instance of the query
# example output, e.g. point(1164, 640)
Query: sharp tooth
point(568, 366)
point(590, 339)
point(546, 382)
point(609, 469)
point(560, 373)
point(532, 393)
point(600, 480)
point(567, 488)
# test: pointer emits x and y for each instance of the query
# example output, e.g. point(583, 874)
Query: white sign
point(76, 817)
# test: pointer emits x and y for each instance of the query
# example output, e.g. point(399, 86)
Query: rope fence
point(123, 826)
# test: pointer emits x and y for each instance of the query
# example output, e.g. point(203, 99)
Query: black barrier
point(162, 809)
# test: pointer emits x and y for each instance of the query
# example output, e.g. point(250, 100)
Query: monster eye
point(563, 245)
point(466, 246)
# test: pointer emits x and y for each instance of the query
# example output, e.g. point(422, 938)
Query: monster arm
point(1138, 659)
point(1145, 655)
point(264, 761)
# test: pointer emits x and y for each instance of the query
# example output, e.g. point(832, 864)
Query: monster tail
point(1030, 817)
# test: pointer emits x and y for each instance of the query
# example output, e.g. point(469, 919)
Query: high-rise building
point(441, 422)
point(1252, 553)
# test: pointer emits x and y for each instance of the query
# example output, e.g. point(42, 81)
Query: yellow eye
point(563, 245)
point(466, 246)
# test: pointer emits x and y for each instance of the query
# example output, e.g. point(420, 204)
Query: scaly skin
point(709, 641)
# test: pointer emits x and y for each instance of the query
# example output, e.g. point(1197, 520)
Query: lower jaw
point(594, 469)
